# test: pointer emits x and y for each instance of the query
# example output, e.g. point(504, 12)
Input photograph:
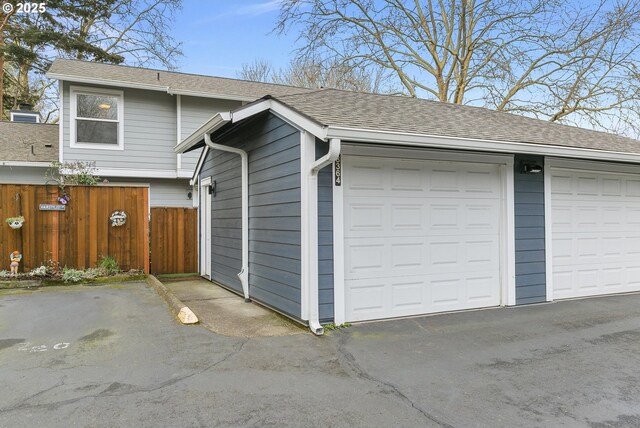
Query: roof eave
point(158, 88)
point(438, 141)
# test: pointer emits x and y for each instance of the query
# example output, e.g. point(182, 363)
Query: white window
point(97, 118)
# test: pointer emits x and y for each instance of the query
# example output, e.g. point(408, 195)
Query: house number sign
point(338, 170)
point(52, 207)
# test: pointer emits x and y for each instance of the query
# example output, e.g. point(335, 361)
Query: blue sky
point(218, 36)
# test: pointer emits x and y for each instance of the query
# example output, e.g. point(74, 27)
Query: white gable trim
point(209, 126)
point(290, 116)
point(199, 165)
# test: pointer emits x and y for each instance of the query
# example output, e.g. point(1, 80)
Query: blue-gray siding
point(529, 232)
point(274, 212)
point(325, 236)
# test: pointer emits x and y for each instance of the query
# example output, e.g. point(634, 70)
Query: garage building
point(336, 206)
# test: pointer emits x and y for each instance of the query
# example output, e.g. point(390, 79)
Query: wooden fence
point(80, 235)
point(174, 240)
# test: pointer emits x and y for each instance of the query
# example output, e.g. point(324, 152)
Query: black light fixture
point(212, 188)
point(531, 168)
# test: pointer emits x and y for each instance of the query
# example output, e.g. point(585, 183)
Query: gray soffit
point(28, 142)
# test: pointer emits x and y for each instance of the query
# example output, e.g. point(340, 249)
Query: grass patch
point(177, 275)
point(57, 282)
point(332, 326)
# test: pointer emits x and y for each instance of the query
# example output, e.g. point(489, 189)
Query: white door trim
point(548, 236)
point(205, 228)
point(339, 291)
point(508, 232)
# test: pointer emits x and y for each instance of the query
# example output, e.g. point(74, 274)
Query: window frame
point(74, 91)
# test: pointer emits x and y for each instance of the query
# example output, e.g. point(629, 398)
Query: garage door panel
point(429, 242)
point(595, 233)
point(385, 257)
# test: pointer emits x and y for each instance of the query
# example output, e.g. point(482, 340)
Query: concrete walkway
point(226, 313)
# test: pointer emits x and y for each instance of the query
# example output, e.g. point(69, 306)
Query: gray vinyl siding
point(163, 192)
point(529, 233)
point(195, 112)
point(149, 132)
point(22, 174)
point(274, 212)
point(325, 236)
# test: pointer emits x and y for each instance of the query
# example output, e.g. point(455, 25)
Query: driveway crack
point(24, 404)
point(351, 362)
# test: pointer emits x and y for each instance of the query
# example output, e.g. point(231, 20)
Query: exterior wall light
point(531, 168)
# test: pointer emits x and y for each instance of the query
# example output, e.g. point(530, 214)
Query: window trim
point(74, 91)
point(13, 114)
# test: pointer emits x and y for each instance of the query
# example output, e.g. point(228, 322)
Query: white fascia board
point(138, 173)
point(108, 82)
point(387, 137)
point(26, 163)
point(185, 173)
point(146, 86)
point(209, 126)
point(209, 95)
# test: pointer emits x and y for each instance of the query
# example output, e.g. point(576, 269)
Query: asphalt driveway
point(114, 356)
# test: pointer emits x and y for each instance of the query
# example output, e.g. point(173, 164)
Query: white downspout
point(244, 273)
point(328, 159)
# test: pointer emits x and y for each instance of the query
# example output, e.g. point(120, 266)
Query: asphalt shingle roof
point(206, 85)
point(331, 107)
point(28, 142)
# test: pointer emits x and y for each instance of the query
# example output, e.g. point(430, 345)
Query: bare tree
point(311, 72)
point(566, 61)
point(260, 70)
point(137, 30)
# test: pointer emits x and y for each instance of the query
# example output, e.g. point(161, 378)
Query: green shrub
point(72, 275)
point(92, 273)
point(109, 265)
point(39, 271)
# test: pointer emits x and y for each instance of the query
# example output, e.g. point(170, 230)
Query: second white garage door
point(421, 236)
point(595, 232)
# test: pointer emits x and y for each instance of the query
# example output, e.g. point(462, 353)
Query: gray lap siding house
point(273, 149)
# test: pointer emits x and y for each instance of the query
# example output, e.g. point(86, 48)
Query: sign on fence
point(52, 207)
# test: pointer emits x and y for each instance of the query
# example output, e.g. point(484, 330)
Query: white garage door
point(420, 236)
point(595, 233)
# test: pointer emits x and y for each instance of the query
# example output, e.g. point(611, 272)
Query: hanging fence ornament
point(15, 222)
point(118, 218)
point(64, 199)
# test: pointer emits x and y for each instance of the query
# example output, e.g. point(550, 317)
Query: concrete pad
point(226, 313)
